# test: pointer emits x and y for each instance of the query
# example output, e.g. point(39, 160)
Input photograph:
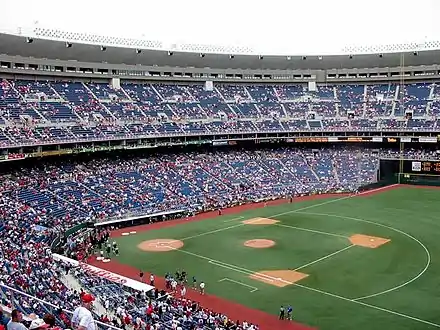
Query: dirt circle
point(160, 245)
point(259, 243)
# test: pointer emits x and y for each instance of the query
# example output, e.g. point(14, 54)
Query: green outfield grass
point(402, 277)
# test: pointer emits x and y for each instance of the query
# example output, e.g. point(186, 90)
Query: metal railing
point(14, 297)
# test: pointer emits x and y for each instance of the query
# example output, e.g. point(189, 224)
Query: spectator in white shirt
point(38, 324)
point(82, 318)
point(202, 287)
point(15, 322)
point(183, 291)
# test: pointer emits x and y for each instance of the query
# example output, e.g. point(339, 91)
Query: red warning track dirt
point(234, 310)
point(259, 243)
point(371, 242)
point(160, 245)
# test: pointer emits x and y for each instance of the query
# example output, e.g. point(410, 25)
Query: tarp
point(92, 270)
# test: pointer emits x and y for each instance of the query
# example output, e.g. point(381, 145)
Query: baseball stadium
point(163, 171)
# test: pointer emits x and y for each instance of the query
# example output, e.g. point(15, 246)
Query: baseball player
point(202, 288)
point(194, 283)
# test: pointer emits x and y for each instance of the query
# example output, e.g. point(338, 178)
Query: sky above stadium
point(271, 27)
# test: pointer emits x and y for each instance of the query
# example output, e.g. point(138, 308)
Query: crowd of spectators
point(99, 111)
point(38, 202)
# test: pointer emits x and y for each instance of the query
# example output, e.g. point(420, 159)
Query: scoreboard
point(422, 167)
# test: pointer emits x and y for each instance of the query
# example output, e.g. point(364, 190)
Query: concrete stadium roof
point(49, 49)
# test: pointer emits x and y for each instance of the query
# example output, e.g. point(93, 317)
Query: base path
point(371, 242)
point(259, 243)
point(279, 278)
point(160, 245)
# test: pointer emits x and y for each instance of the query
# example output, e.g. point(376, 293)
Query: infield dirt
point(160, 245)
point(279, 278)
point(259, 243)
point(260, 221)
point(371, 242)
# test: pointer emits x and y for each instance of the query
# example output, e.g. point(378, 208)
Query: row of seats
point(54, 101)
point(166, 312)
point(22, 135)
point(104, 188)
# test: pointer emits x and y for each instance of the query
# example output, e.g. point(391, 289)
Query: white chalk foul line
point(256, 220)
point(283, 213)
point(428, 255)
point(310, 230)
point(356, 301)
point(324, 257)
point(235, 219)
point(268, 277)
point(332, 201)
point(241, 270)
point(240, 283)
point(368, 305)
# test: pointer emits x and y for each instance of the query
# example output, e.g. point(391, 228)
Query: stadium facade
point(60, 95)
point(386, 96)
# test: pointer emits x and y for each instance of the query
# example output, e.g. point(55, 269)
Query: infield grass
point(402, 276)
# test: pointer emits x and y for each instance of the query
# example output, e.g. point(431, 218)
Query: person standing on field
point(202, 287)
point(289, 312)
point(282, 313)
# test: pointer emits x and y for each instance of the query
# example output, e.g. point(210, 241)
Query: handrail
point(105, 325)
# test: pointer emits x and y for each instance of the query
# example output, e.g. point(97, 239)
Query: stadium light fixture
point(170, 53)
point(103, 48)
point(138, 51)
point(68, 44)
point(29, 40)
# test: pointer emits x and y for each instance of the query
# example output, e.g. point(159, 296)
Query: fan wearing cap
point(38, 324)
point(82, 318)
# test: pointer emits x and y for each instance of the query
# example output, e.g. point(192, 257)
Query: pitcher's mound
point(259, 243)
point(279, 278)
point(160, 245)
point(260, 221)
point(371, 242)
